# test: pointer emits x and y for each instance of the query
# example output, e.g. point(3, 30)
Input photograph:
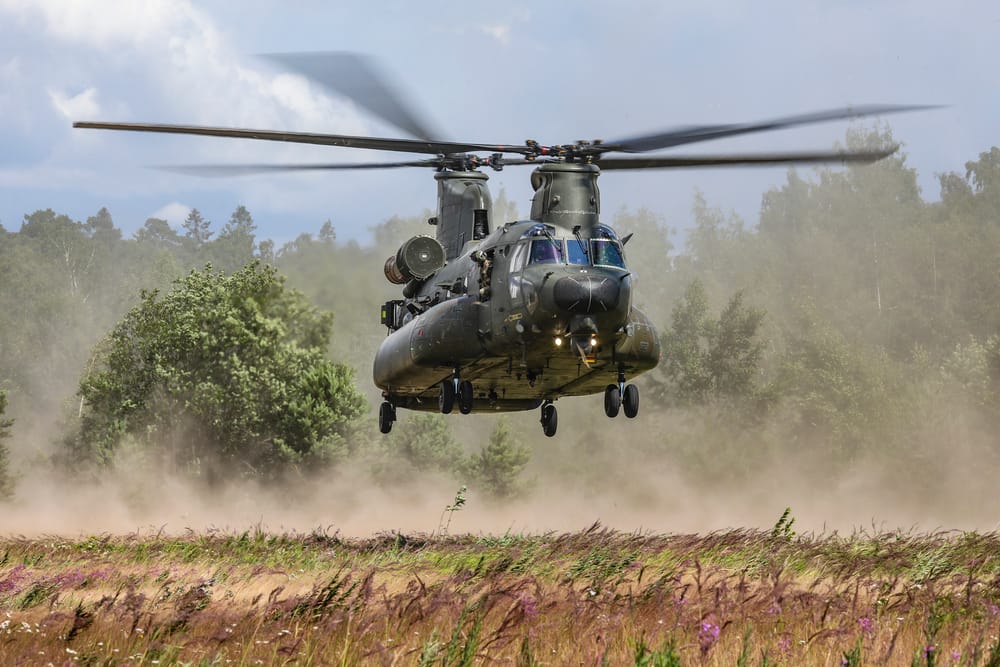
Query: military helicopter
point(509, 315)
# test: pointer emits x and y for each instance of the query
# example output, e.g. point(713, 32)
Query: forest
point(848, 339)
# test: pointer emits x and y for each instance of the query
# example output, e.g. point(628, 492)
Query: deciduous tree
point(222, 376)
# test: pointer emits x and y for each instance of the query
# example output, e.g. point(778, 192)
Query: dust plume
point(629, 475)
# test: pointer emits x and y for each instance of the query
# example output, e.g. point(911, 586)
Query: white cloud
point(499, 32)
point(82, 106)
point(196, 69)
point(174, 213)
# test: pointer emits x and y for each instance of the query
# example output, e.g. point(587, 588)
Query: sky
point(482, 72)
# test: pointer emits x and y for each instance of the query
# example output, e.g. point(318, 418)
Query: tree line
point(854, 318)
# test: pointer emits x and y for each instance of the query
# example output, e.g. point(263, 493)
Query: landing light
point(593, 341)
point(558, 341)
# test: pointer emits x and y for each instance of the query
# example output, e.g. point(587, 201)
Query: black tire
point(386, 415)
point(612, 400)
point(550, 420)
point(630, 401)
point(465, 397)
point(446, 400)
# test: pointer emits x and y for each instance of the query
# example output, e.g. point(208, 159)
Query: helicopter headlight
point(558, 341)
point(593, 341)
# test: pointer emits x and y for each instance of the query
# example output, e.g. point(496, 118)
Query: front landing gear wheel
point(612, 400)
point(386, 416)
point(630, 401)
point(550, 419)
point(446, 399)
point(465, 397)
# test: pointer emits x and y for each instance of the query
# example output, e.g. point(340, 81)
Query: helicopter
point(509, 315)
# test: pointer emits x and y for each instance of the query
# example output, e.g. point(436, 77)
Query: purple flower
point(529, 607)
point(994, 610)
point(956, 655)
point(708, 634)
point(785, 644)
point(867, 625)
point(928, 650)
point(14, 577)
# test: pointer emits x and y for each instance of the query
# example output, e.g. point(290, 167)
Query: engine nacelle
point(416, 259)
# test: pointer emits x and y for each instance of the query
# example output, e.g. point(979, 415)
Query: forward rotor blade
point(750, 159)
point(361, 80)
point(346, 141)
point(694, 134)
point(250, 169)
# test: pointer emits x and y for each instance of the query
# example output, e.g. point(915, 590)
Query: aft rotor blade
point(694, 134)
point(343, 140)
point(250, 169)
point(750, 159)
point(360, 79)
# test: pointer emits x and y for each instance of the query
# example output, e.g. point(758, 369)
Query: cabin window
point(607, 253)
point(546, 251)
point(480, 224)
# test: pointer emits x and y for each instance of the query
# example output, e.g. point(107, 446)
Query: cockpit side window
point(607, 253)
point(545, 251)
point(517, 257)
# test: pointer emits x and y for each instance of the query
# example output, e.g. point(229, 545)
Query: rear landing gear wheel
point(465, 397)
point(612, 400)
point(446, 399)
point(550, 420)
point(386, 416)
point(630, 401)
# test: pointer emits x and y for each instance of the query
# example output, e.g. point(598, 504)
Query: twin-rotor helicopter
point(504, 315)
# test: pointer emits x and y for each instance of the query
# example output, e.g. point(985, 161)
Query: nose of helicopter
point(587, 293)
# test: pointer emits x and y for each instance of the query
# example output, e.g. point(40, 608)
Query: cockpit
point(603, 249)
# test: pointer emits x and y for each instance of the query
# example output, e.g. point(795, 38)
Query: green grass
point(597, 596)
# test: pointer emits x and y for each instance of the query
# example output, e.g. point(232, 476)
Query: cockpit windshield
point(605, 232)
point(578, 253)
point(546, 251)
point(603, 250)
point(607, 253)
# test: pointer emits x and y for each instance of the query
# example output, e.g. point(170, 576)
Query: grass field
point(593, 597)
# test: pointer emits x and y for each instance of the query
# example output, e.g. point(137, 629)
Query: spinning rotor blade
point(358, 78)
point(451, 162)
point(249, 169)
point(346, 141)
point(694, 134)
point(749, 159)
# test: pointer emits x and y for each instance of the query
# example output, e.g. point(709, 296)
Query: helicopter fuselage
point(534, 311)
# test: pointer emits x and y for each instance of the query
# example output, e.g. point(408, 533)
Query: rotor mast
point(567, 196)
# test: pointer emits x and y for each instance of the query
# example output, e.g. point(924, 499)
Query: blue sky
point(485, 72)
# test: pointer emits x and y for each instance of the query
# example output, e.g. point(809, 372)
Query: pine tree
point(196, 228)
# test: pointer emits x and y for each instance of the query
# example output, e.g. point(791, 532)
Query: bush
point(223, 376)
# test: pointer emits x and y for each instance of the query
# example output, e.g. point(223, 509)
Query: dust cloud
point(633, 476)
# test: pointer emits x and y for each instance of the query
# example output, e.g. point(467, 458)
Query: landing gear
point(446, 399)
point(612, 400)
point(451, 390)
point(550, 419)
point(465, 397)
point(630, 401)
point(386, 416)
point(621, 396)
